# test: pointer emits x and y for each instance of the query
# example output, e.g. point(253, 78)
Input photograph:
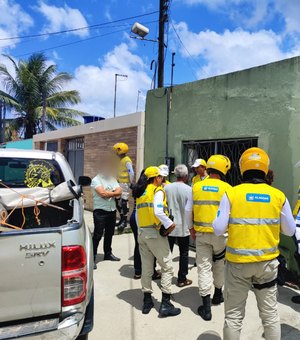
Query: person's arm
point(130, 171)
point(189, 218)
point(220, 224)
point(287, 225)
point(159, 210)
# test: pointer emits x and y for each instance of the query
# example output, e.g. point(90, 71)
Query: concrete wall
point(262, 101)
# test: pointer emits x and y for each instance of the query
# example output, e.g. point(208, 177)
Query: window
point(26, 172)
point(232, 148)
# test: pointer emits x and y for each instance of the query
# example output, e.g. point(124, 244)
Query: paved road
point(118, 301)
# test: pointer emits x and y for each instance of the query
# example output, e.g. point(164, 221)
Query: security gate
point(75, 155)
point(232, 148)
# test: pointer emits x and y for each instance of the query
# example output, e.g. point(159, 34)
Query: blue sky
point(210, 37)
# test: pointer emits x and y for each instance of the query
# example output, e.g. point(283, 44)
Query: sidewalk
point(118, 301)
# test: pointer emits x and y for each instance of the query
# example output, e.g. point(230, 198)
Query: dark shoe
point(205, 310)
point(296, 299)
point(187, 282)
point(156, 275)
point(137, 276)
point(122, 225)
point(120, 220)
point(148, 303)
point(95, 266)
point(218, 297)
point(166, 308)
point(111, 257)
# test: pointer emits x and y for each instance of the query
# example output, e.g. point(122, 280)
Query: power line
point(75, 42)
point(195, 61)
point(78, 28)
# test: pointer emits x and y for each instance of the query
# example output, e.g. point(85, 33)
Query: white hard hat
point(164, 170)
point(198, 162)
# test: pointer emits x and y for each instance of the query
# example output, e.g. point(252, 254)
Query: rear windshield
point(30, 173)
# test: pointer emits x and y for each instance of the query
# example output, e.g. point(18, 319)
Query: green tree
point(36, 95)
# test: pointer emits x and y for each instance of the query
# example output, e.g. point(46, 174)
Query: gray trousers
point(151, 245)
point(239, 278)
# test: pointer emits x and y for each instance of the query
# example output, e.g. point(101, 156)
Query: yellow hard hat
point(254, 159)
point(121, 148)
point(152, 171)
point(220, 163)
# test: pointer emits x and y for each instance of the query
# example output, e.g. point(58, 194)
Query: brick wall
point(98, 144)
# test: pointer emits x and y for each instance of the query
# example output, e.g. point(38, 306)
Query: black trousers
point(136, 256)
point(104, 222)
point(183, 244)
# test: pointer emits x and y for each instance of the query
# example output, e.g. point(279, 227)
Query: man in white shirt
point(177, 196)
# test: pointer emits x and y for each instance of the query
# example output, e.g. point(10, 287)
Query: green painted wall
point(262, 101)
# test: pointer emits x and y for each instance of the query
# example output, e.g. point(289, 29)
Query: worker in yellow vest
point(199, 167)
point(254, 213)
point(125, 179)
point(201, 210)
point(153, 222)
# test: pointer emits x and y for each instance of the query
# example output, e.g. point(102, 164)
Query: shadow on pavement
point(127, 270)
point(285, 295)
point(134, 297)
point(209, 335)
point(288, 332)
point(188, 297)
point(99, 258)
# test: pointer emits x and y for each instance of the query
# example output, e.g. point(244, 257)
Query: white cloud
point(231, 50)
point(290, 10)
point(63, 18)
point(13, 22)
point(96, 83)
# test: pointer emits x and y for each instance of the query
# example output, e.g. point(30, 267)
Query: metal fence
point(232, 148)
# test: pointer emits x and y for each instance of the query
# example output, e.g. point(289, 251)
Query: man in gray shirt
point(177, 196)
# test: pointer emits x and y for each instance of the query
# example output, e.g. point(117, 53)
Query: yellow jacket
point(254, 224)
point(197, 178)
point(123, 176)
point(145, 207)
point(206, 200)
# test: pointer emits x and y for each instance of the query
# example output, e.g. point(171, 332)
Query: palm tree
point(36, 95)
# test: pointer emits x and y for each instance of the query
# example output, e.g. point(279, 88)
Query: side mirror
point(84, 181)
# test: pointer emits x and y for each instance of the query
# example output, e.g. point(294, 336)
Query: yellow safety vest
point(206, 200)
point(145, 207)
point(254, 223)
point(198, 178)
point(123, 176)
point(297, 206)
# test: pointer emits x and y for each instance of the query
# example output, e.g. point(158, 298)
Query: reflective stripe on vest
point(254, 223)
point(206, 202)
point(207, 195)
point(251, 252)
point(145, 205)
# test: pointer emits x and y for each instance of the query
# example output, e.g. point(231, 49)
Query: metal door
point(75, 155)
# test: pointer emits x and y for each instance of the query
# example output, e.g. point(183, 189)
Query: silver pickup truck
point(46, 263)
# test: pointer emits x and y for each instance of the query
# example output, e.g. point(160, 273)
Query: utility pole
point(163, 18)
point(137, 101)
point(115, 96)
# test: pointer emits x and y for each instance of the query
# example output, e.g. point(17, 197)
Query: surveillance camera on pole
point(139, 30)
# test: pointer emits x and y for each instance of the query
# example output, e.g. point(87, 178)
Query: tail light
point(74, 275)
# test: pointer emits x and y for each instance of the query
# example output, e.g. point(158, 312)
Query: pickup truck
point(46, 262)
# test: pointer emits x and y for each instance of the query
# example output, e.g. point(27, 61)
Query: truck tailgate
point(30, 274)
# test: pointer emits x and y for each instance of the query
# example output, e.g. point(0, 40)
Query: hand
point(193, 233)
point(170, 229)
